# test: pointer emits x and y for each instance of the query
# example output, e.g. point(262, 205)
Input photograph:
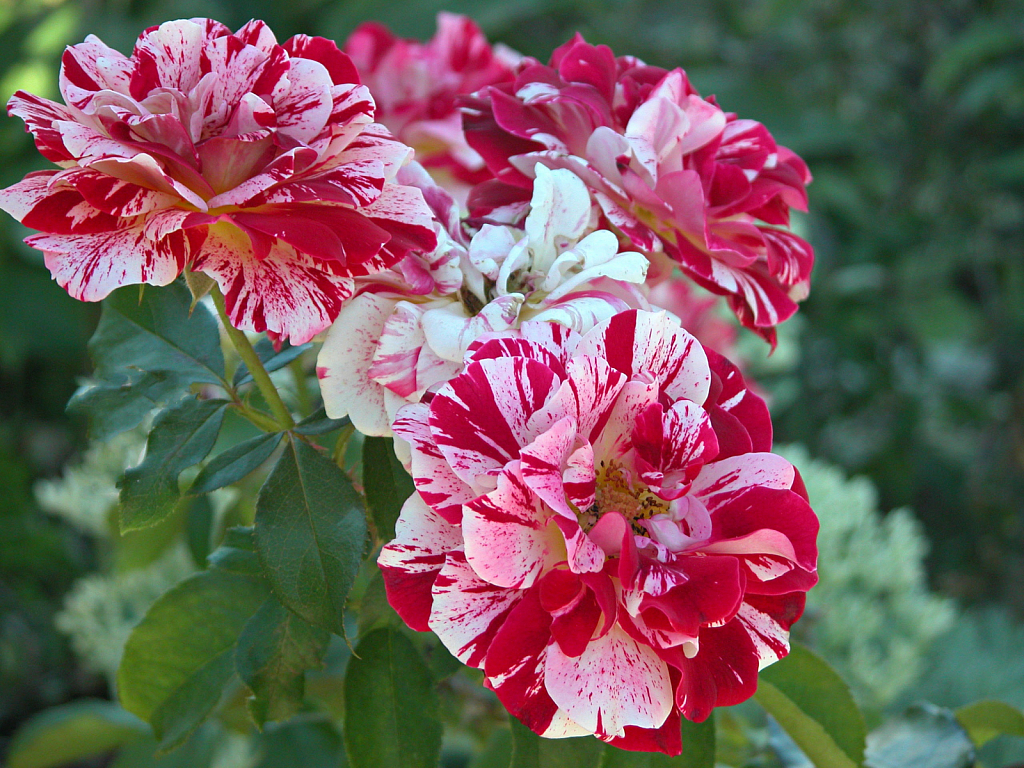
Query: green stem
point(252, 362)
point(260, 419)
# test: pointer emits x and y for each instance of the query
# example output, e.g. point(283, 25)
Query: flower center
point(616, 491)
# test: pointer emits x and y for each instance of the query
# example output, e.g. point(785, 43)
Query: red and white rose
point(256, 163)
point(600, 527)
point(670, 170)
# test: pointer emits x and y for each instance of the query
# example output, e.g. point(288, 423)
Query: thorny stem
point(252, 362)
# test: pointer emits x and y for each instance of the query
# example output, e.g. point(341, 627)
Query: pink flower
point(416, 84)
point(599, 527)
point(670, 170)
point(256, 163)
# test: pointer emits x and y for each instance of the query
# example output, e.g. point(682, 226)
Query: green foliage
point(147, 352)
point(984, 720)
point(387, 485)
point(178, 660)
point(391, 707)
point(181, 437)
point(925, 736)
point(274, 651)
point(871, 575)
point(235, 463)
point(272, 359)
point(531, 751)
point(310, 534)
point(83, 729)
point(814, 706)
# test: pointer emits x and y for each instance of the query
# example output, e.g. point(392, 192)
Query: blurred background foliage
point(910, 364)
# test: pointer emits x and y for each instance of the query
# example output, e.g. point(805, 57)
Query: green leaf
point(274, 651)
point(386, 482)
point(391, 707)
point(179, 658)
point(814, 706)
point(76, 731)
point(115, 408)
point(310, 535)
point(181, 437)
point(531, 751)
point(236, 462)
point(374, 609)
point(199, 529)
point(198, 752)
point(237, 554)
point(698, 750)
point(318, 423)
point(984, 720)
point(305, 743)
point(925, 736)
point(272, 360)
point(147, 353)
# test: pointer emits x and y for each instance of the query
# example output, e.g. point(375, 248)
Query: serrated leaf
point(531, 751)
point(984, 720)
point(698, 750)
point(925, 736)
point(318, 423)
point(386, 483)
point(814, 706)
point(157, 334)
point(236, 462)
point(179, 658)
point(112, 408)
point(272, 359)
point(391, 706)
point(181, 437)
point(76, 731)
point(310, 535)
point(146, 354)
point(274, 651)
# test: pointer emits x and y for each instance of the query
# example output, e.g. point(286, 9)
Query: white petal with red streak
point(721, 481)
point(615, 683)
point(638, 341)
point(770, 638)
point(468, 611)
point(441, 488)
point(344, 363)
point(89, 267)
point(508, 538)
point(288, 292)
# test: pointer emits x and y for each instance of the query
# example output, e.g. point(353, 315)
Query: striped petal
point(509, 540)
point(286, 292)
point(411, 562)
point(468, 611)
point(616, 682)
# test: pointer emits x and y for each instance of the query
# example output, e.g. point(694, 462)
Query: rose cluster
point(517, 266)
